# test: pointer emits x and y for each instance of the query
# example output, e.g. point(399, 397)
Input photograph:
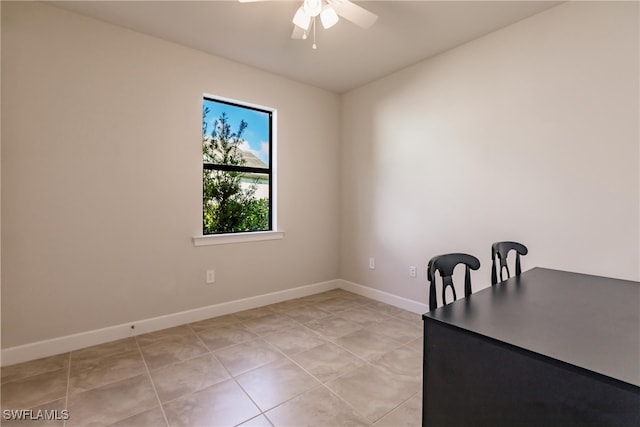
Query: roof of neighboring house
point(252, 160)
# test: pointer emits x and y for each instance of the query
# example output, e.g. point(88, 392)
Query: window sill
point(223, 239)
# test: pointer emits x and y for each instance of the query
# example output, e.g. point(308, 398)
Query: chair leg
point(505, 267)
point(494, 278)
point(467, 282)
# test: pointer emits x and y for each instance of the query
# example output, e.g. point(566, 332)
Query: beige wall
point(530, 133)
point(101, 178)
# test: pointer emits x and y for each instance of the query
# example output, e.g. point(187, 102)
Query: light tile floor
point(330, 359)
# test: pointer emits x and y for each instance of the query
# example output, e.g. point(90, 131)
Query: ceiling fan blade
point(354, 13)
point(298, 33)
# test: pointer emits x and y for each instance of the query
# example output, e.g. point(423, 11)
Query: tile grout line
point(321, 383)
point(399, 405)
point(324, 384)
point(364, 417)
point(366, 362)
point(153, 385)
point(106, 383)
point(260, 336)
point(264, 413)
point(66, 397)
point(232, 377)
point(32, 375)
point(260, 411)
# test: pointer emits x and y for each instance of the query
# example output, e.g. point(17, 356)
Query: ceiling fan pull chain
point(314, 46)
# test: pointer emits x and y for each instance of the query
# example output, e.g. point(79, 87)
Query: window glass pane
point(235, 202)
point(235, 135)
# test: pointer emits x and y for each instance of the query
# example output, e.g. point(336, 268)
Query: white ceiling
point(258, 34)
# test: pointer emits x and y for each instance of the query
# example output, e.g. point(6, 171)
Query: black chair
point(501, 250)
point(445, 264)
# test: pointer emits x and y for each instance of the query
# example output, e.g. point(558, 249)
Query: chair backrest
point(501, 250)
point(445, 264)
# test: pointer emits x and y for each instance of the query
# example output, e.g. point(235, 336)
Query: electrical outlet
point(372, 263)
point(413, 271)
point(211, 276)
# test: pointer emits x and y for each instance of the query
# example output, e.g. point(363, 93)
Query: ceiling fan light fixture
point(329, 17)
point(312, 7)
point(301, 19)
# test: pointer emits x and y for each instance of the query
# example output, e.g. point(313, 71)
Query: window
point(237, 173)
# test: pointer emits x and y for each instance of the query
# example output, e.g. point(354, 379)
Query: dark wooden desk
point(546, 348)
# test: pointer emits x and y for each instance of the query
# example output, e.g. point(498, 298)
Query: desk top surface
point(587, 321)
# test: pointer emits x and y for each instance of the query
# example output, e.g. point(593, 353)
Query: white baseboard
point(386, 297)
point(50, 347)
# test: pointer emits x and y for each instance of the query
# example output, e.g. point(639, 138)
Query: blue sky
point(257, 132)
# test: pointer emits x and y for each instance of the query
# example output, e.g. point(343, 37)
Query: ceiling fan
point(329, 12)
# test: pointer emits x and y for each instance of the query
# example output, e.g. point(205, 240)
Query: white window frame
point(250, 236)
